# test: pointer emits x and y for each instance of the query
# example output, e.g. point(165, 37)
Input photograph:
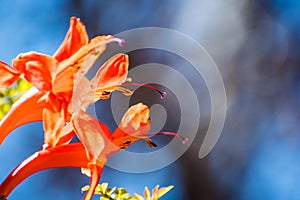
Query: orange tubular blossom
point(100, 143)
point(52, 78)
point(70, 155)
point(91, 155)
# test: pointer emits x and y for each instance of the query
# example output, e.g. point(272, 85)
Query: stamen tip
point(163, 95)
point(121, 42)
point(186, 140)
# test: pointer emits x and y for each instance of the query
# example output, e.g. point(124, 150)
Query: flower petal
point(89, 52)
point(80, 98)
point(54, 119)
point(63, 83)
point(27, 109)
point(113, 72)
point(71, 155)
point(38, 69)
point(8, 75)
point(135, 119)
point(75, 38)
point(66, 135)
point(93, 134)
point(78, 65)
point(133, 126)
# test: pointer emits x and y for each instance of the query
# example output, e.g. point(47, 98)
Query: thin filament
point(184, 140)
point(162, 94)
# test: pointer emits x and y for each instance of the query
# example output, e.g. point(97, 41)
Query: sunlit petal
point(27, 109)
point(95, 48)
point(63, 83)
point(134, 123)
point(37, 68)
point(75, 38)
point(8, 75)
point(77, 65)
point(54, 120)
point(81, 99)
point(113, 72)
point(91, 133)
point(90, 51)
point(136, 117)
point(65, 136)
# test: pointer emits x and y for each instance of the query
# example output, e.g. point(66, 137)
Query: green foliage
point(10, 95)
point(121, 194)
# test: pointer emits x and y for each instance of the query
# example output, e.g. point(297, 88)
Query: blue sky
point(257, 156)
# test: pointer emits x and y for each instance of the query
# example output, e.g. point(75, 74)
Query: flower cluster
point(59, 96)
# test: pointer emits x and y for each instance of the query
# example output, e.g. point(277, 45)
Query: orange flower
point(53, 80)
point(61, 93)
point(97, 141)
point(92, 155)
point(112, 73)
point(100, 143)
point(109, 77)
point(70, 155)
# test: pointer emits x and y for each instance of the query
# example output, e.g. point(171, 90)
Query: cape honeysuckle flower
point(52, 78)
point(111, 74)
point(100, 143)
point(60, 94)
point(70, 155)
point(110, 77)
point(134, 125)
point(92, 154)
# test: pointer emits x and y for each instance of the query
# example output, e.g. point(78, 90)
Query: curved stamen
point(103, 91)
point(118, 40)
point(162, 94)
point(184, 140)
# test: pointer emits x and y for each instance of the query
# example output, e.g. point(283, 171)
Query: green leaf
point(139, 197)
point(10, 92)
point(2, 93)
point(121, 193)
point(23, 86)
point(129, 198)
point(110, 190)
point(5, 107)
point(106, 197)
point(103, 187)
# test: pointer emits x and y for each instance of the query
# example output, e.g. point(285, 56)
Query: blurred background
point(255, 45)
